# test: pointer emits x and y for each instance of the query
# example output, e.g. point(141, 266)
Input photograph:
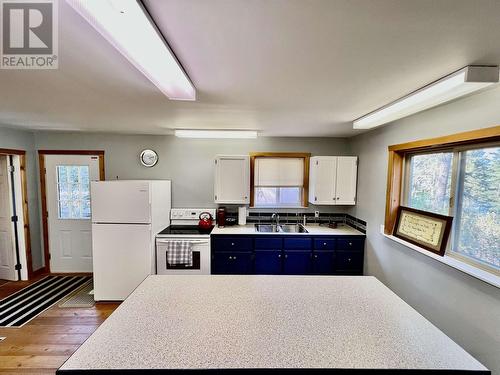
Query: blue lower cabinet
point(349, 262)
point(289, 255)
point(268, 262)
point(322, 262)
point(234, 263)
point(297, 262)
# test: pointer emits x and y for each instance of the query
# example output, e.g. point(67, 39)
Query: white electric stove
point(184, 227)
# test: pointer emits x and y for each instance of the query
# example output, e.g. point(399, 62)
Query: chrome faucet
point(276, 217)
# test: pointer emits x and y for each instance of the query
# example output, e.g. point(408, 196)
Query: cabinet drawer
point(324, 244)
point(357, 244)
point(269, 243)
point(233, 244)
point(349, 261)
point(297, 243)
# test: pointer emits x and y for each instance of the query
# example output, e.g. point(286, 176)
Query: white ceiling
point(284, 67)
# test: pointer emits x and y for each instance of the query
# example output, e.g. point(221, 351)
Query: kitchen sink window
point(278, 182)
point(463, 182)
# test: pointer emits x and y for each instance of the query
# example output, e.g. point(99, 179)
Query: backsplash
point(263, 217)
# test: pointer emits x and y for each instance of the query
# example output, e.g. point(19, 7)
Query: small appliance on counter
point(191, 225)
point(221, 217)
point(231, 220)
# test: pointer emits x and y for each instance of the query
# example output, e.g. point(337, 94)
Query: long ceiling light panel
point(191, 133)
point(462, 82)
point(127, 26)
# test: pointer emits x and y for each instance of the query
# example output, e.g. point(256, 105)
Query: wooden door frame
point(43, 192)
point(24, 195)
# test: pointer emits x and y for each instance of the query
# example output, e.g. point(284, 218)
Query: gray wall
point(189, 163)
point(466, 309)
point(24, 140)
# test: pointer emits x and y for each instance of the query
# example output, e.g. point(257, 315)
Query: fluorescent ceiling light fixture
point(462, 82)
point(184, 133)
point(129, 28)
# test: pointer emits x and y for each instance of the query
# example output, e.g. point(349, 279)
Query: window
point(430, 182)
point(279, 180)
point(463, 182)
point(73, 192)
point(477, 215)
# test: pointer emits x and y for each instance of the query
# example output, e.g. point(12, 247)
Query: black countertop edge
point(261, 371)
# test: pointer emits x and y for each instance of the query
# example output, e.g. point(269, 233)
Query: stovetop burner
point(185, 229)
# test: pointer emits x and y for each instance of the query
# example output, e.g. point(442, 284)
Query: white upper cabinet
point(232, 179)
point(332, 180)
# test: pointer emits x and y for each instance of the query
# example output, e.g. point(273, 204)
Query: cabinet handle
point(349, 260)
point(315, 257)
point(279, 255)
point(234, 258)
point(324, 243)
point(315, 198)
point(286, 256)
point(350, 243)
point(232, 243)
point(230, 258)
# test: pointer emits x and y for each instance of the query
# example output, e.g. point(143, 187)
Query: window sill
point(478, 273)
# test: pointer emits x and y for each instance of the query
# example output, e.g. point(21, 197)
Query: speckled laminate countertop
point(262, 322)
point(342, 230)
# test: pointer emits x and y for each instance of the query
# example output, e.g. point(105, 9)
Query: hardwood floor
point(43, 344)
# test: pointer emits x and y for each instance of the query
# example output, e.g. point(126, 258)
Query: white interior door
point(7, 256)
point(347, 168)
point(69, 217)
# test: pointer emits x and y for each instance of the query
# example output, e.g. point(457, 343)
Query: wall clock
point(148, 158)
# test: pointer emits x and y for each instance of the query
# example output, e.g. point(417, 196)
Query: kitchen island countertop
point(333, 324)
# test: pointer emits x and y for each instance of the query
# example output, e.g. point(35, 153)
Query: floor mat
point(19, 308)
point(84, 297)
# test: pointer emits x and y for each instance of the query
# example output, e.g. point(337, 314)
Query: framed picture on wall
point(424, 229)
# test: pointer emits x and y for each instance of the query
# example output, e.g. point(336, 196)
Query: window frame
point(295, 155)
point(398, 172)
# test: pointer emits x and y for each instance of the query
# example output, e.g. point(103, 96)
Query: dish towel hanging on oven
point(180, 253)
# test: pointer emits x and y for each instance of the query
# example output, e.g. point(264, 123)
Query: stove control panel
point(189, 213)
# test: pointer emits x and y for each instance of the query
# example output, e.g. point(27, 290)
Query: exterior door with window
point(69, 217)
point(7, 256)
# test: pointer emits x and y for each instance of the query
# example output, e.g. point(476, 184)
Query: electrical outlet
point(316, 213)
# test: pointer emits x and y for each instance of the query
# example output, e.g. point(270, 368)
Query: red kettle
point(206, 221)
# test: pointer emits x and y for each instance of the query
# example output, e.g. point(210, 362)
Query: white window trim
point(478, 273)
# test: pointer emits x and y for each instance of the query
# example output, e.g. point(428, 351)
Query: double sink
point(280, 228)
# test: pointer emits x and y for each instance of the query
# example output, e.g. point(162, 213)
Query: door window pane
point(73, 191)
point(429, 185)
point(477, 226)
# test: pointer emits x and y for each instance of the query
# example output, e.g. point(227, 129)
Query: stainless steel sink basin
point(268, 228)
point(293, 228)
point(285, 228)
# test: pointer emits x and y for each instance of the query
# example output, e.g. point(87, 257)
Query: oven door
point(201, 258)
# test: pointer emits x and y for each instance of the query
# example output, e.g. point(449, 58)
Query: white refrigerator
point(126, 216)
